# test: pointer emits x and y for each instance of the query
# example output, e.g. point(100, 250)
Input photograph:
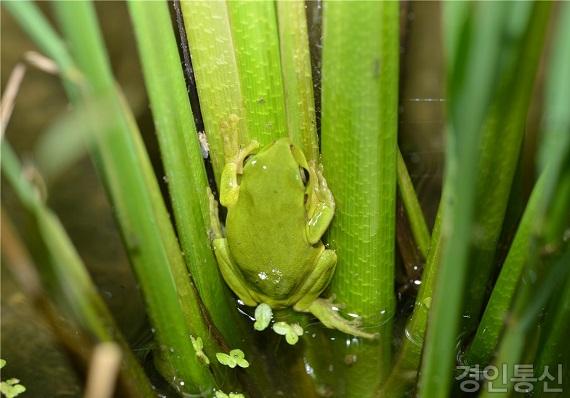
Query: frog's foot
point(229, 186)
point(327, 312)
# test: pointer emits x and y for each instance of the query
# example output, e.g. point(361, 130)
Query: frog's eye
point(304, 175)
point(246, 159)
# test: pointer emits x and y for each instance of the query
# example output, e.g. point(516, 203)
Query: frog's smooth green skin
point(279, 207)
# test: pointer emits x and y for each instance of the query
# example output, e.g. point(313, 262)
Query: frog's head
point(283, 149)
point(283, 159)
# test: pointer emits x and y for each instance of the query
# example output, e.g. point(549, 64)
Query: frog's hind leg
point(317, 281)
point(231, 273)
point(228, 268)
point(324, 309)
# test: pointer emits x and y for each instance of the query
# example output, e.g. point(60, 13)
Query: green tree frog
point(278, 208)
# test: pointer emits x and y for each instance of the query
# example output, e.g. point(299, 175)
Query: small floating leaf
point(235, 358)
point(225, 359)
point(239, 358)
point(263, 316)
point(281, 328)
point(198, 345)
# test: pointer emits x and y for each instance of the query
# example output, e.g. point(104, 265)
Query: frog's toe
point(327, 313)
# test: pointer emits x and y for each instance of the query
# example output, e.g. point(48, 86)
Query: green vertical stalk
point(359, 125)
point(297, 78)
point(216, 71)
point(256, 45)
point(65, 275)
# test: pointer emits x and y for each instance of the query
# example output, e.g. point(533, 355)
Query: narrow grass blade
point(172, 303)
point(556, 120)
point(359, 124)
point(501, 143)
point(473, 73)
point(557, 125)
point(531, 298)
point(256, 47)
point(555, 351)
point(414, 211)
point(297, 78)
point(486, 339)
point(65, 275)
point(404, 374)
point(216, 71)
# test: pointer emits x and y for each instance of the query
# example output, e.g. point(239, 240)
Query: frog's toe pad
point(327, 313)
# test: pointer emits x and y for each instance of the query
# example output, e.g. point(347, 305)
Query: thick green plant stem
point(414, 212)
point(297, 78)
point(64, 274)
point(256, 46)
point(172, 303)
point(501, 142)
point(359, 125)
point(216, 71)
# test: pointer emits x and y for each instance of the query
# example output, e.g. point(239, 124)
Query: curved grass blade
point(64, 274)
point(120, 156)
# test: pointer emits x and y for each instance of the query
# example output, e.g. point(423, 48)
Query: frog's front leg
point(230, 271)
point(321, 205)
point(234, 158)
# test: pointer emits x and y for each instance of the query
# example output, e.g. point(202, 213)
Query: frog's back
point(265, 228)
